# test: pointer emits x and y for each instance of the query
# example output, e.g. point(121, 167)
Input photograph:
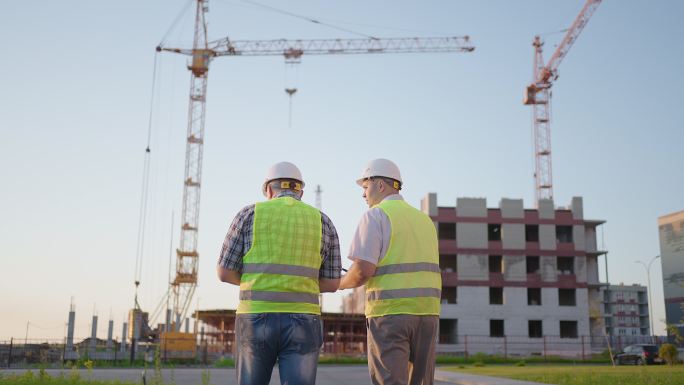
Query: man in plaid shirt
point(282, 253)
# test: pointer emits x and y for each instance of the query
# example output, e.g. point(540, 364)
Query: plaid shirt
point(239, 240)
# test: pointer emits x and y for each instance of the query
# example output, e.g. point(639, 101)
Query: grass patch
point(583, 374)
point(42, 378)
point(342, 360)
point(500, 360)
point(225, 363)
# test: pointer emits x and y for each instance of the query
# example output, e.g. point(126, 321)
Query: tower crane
point(183, 286)
point(538, 94)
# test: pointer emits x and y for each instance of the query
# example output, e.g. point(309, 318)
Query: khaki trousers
point(401, 349)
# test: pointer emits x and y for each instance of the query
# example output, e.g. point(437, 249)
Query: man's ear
point(269, 191)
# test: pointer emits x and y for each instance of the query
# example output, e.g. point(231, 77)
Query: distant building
point(671, 229)
point(625, 310)
point(513, 277)
point(354, 302)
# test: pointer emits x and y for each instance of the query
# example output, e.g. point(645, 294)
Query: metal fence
point(580, 347)
point(22, 353)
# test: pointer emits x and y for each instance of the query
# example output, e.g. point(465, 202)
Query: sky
point(77, 100)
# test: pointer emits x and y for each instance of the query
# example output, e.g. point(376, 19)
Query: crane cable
point(175, 22)
point(144, 194)
point(299, 16)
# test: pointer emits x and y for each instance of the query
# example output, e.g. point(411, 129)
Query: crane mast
point(202, 52)
point(538, 94)
point(185, 282)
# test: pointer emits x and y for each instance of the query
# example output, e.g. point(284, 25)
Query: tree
point(669, 353)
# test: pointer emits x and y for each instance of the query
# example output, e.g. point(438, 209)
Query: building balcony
point(534, 278)
point(565, 247)
point(447, 246)
point(496, 279)
point(565, 280)
point(495, 245)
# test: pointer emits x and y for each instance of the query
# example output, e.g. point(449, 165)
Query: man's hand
point(228, 276)
point(359, 273)
point(328, 285)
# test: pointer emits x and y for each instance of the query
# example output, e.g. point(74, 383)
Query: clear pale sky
point(76, 83)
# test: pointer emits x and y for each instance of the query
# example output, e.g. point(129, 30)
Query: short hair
point(389, 181)
point(286, 184)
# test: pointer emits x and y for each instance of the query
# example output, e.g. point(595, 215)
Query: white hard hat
point(381, 167)
point(282, 170)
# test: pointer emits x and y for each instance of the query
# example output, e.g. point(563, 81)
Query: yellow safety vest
point(280, 270)
point(407, 280)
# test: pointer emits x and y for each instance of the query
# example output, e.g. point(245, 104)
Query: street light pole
point(648, 286)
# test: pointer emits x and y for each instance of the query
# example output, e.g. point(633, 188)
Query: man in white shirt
point(395, 254)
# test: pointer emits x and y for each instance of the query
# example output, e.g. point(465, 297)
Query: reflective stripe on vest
point(278, 296)
point(403, 293)
point(280, 270)
point(408, 279)
point(408, 268)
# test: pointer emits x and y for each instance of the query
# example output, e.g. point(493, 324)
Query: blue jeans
point(293, 340)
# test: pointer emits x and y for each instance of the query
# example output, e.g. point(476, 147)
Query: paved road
point(327, 375)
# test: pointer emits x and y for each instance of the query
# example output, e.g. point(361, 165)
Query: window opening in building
point(448, 331)
point(564, 234)
point(495, 264)
point(496, 328)
point(566, 297)
point(568, 329)
point(534, 328)
point(447, 230)
point(565, 265)
point(534, 296)
point(531, 233)
point(449, 295)
point(494, 231)
point(447, 263)
point(532, 264)
point(496, 295)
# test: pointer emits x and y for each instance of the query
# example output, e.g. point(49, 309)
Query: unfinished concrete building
point(342, 333)
point(516, 280)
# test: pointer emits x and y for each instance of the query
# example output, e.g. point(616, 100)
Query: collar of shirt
point(287, 193)
point(394, 197)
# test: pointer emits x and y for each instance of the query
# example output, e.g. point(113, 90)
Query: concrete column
point(167, 327)
point(178, 323)
point(187, 325)
point(110, 332)
point(124, 333)
point(136, 319)
point(428, 204)
point(93, 335)
point(70, 329)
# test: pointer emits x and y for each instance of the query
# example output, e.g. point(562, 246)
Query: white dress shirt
point(372, 235)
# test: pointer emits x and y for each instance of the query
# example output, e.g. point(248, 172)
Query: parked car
point(639, 354)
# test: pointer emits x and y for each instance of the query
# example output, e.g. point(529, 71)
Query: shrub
point(669, 353)
point(478, 364)
point(520, 363)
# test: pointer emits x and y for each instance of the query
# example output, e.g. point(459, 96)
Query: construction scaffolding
point(343, 334)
